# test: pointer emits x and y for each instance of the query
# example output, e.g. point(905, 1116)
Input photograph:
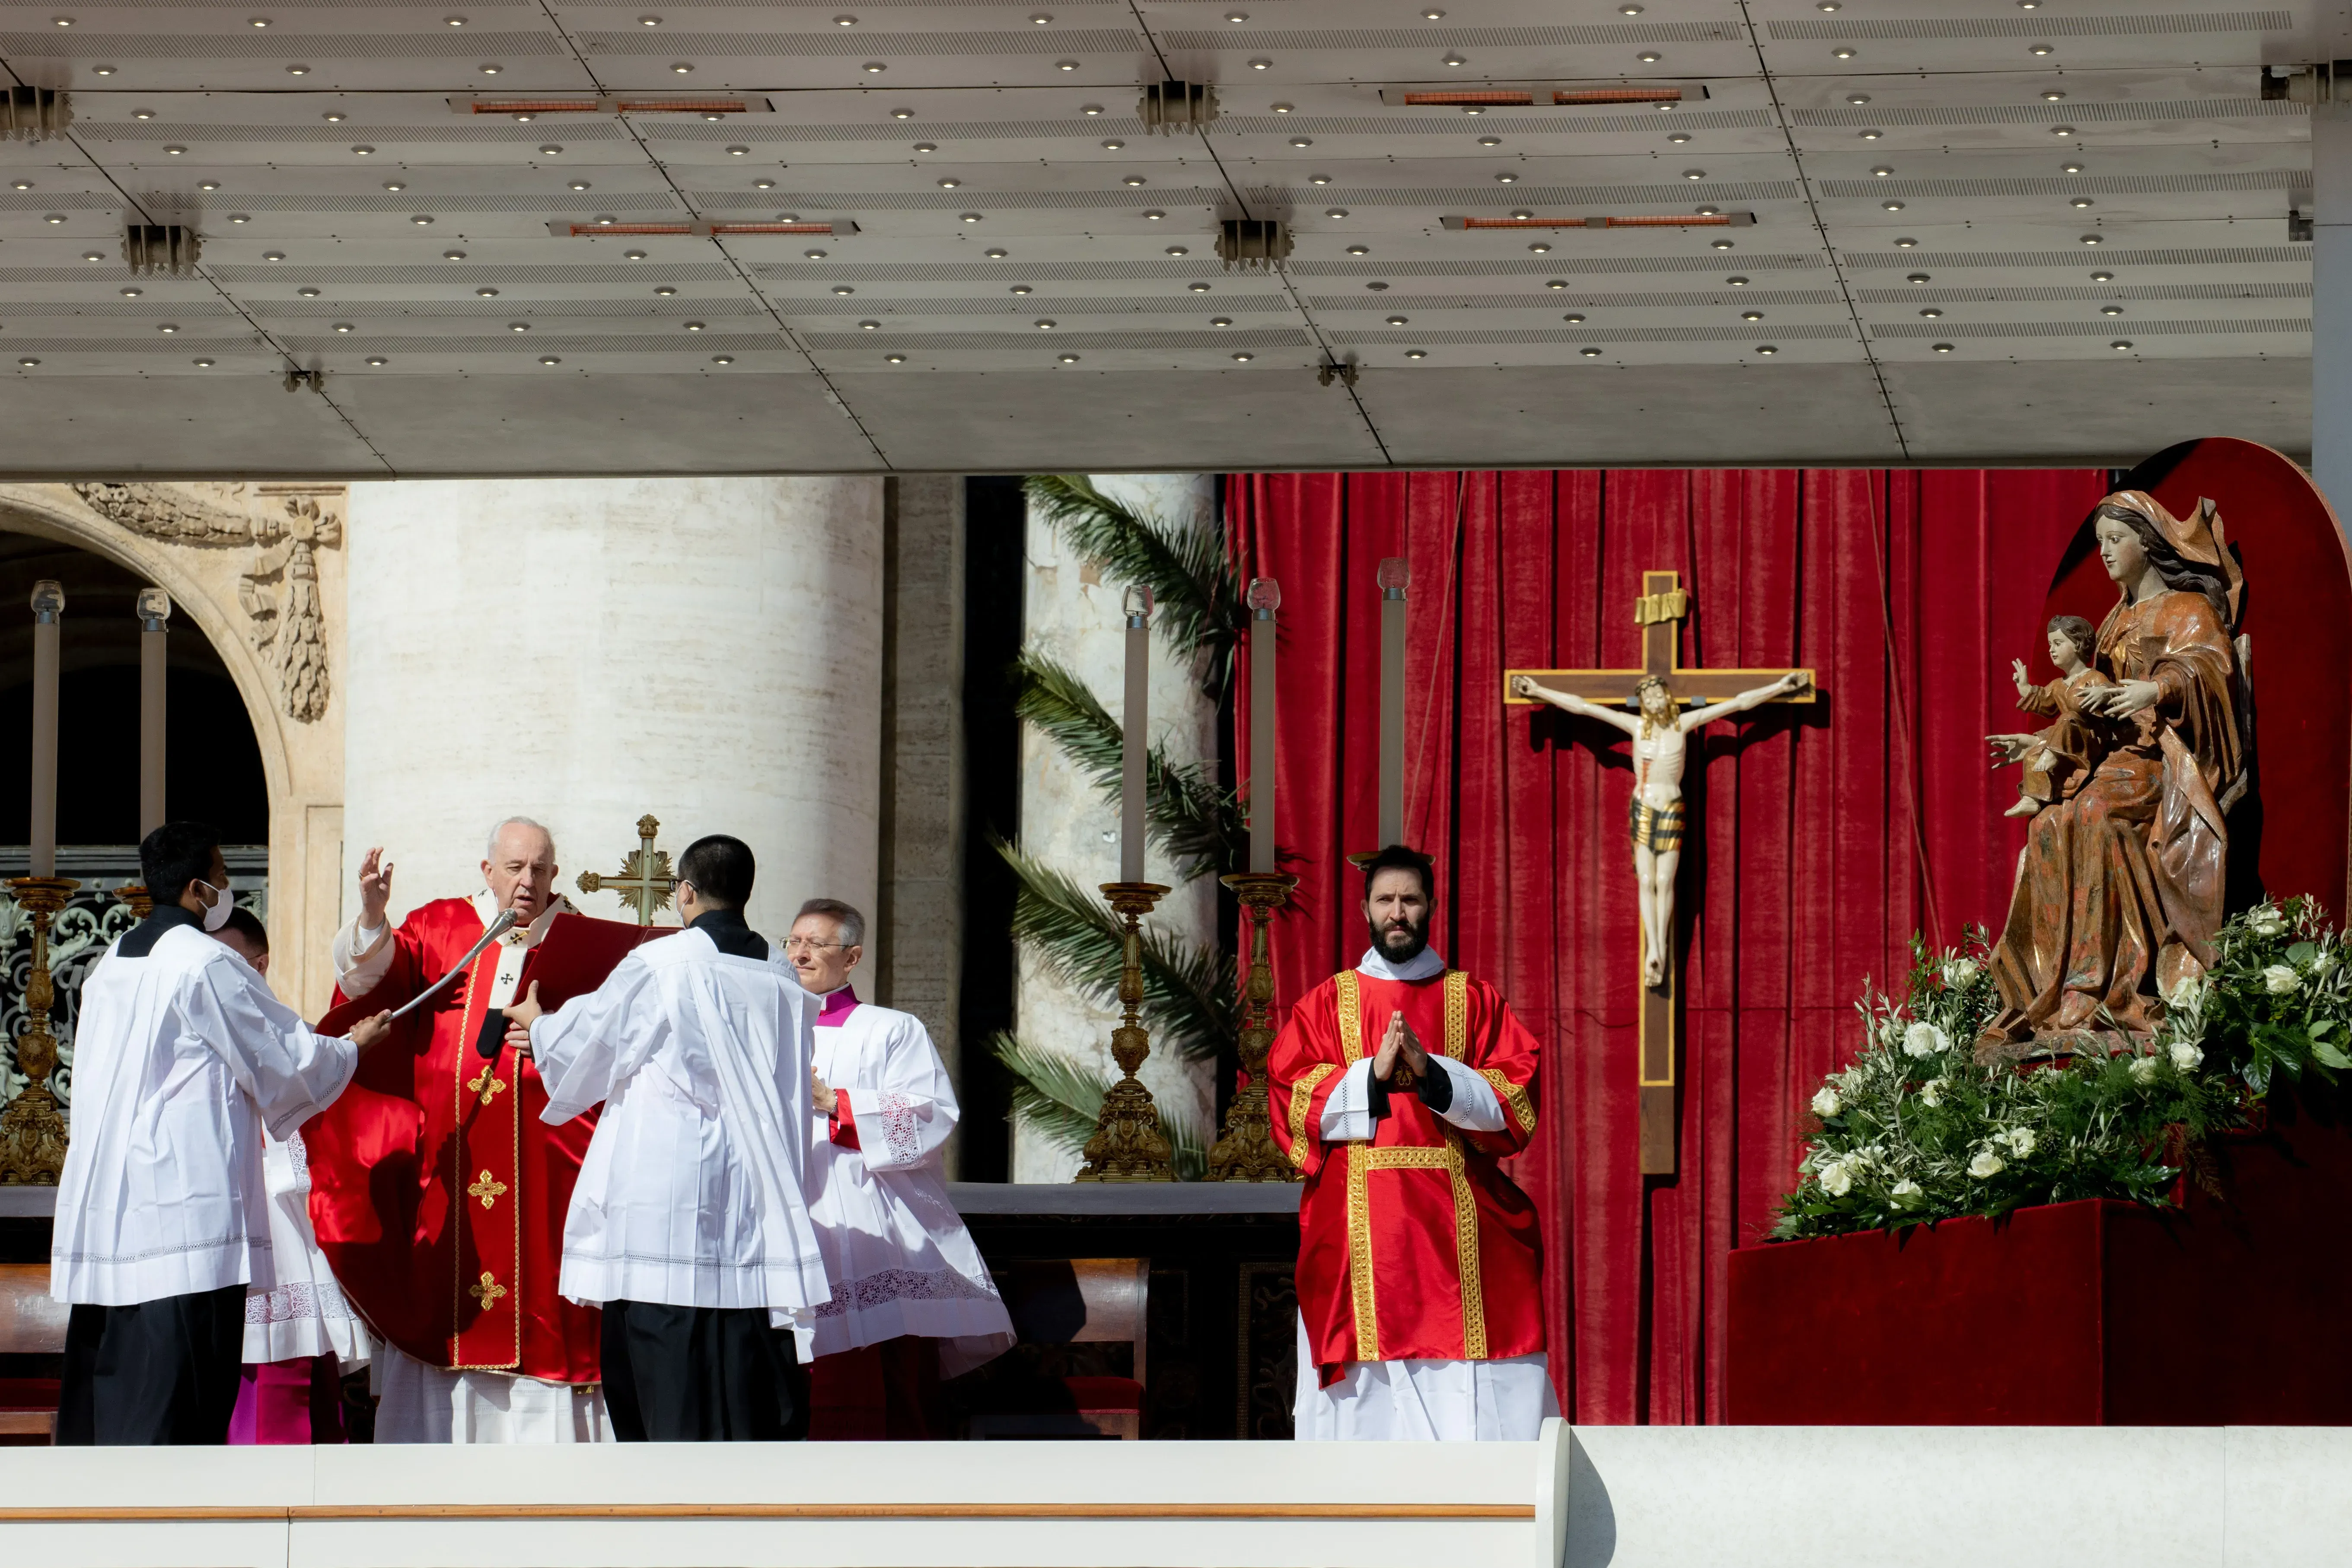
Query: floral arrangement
point(1914, 1131)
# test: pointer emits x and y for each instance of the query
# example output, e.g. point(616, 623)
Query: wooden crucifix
point(644, 881)
point(1658, 705)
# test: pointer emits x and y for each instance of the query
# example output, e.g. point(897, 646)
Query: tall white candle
point(1265, 598)
point(1132, 735)
point(154, 618)
point(49, 613)
point(1395, 578)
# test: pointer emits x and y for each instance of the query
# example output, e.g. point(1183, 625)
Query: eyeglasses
point(802, 945)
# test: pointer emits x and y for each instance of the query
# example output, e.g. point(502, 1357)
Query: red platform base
point(2226, 1311)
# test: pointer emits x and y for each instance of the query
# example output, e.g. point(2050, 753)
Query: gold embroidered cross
point(488, 1291)
point(486, 1086)
point(487, 1188)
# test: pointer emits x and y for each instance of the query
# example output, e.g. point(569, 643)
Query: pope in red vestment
point(439, 1195)
point(1396, 1088)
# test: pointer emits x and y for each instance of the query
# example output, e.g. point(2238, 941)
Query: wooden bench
point(30, 1324)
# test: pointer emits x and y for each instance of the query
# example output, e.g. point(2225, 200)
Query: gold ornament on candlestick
point(644, 881)
point(1246, 1152)
point(33, 1129)
point(1130, 1145)
point(135, 894)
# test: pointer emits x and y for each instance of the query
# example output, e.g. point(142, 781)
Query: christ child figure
point(2060, 758)
point(1655, 813)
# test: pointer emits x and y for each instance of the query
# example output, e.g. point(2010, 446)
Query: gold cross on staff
point(645, 879)
point(1659, 612)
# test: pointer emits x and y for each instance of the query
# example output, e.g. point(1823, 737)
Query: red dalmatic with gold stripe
point(1414, 1245)
point(438, 1192)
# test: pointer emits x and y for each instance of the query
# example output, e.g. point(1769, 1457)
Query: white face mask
point(217, 913)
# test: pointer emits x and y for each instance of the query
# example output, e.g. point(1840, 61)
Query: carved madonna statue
point(2120, 889)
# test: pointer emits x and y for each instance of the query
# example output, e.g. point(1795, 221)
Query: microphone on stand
point(489, 1043)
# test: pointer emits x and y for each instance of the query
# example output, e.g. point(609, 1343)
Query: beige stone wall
point(260, 571)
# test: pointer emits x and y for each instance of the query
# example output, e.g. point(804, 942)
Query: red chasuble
point(1416, 1245)
point(438, 1194)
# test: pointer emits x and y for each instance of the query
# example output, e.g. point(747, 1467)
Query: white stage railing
point(1601, 1498)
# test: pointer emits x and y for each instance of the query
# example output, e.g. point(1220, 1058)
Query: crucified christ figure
point(1655, 813)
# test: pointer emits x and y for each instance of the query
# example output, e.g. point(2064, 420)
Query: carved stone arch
point(226, 554)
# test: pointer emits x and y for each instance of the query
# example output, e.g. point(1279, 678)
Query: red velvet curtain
point(1821, 838)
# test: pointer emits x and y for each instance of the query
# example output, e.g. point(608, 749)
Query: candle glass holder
point(1246, 1151)
point(1130, 1145)
point(33, 1128)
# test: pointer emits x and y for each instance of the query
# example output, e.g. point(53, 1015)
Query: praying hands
point(1399, 1043)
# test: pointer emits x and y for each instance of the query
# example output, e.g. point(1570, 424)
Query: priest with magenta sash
point(1397, 1089)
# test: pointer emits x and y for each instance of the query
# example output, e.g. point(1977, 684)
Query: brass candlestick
point(135, 894)
point(32, 1130)
point(1246, 1152)
point(1130, 1145)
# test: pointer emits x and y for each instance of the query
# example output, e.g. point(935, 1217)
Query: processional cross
point(1615, 697)
point(645, 879)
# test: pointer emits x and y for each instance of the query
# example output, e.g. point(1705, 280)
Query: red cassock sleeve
point(1302, 1069)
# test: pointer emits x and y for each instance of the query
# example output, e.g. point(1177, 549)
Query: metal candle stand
point(33, 1130)
point(1246, 1152)
point(1130, 1145)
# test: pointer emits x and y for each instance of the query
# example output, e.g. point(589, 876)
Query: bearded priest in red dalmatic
point(438, 1192)
point(1396, 1089)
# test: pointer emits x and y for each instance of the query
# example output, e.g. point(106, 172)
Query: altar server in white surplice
point(180, 1058)
point(690, 1224)
point(912, 1301)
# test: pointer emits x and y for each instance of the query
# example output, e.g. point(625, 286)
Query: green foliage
point(1200, 826)
point(1188, 988)
point(1061, 1101)
point(1199, 608)
point(1913, 1130)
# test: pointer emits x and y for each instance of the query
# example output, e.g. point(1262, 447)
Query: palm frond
point(1061, 1101)
point(1188, 988)
point(1199, 608)
point(1199, 825)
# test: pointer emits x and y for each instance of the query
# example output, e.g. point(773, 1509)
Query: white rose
point(2189, 993)
point(1906, 1191)
point(1837, 1178)
point(2021, 1140)
point(1931, 1093)
point(2143, 1070)
point(2187, 1058)
point(2281, 980)
point(1924, 1040)
point(1961, 970)
point(2267, 921)
point(1826, 1102)
point(1987, 1163)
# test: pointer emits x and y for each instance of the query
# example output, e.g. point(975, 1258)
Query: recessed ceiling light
point(1932, 313)
point(1751, 315)
point(333, 117)
point(1066, 359)
point(1416, 354)
point(1235, 16)
point(1220, 321)
point(1872, 135)
point(950, 183)
point(258, 22)
point(1736, 282)
point(21, 184)
point(1178, 251)
point(926, 146)
point(2094, 239)
point(2070, 168)
point(132, 293)
point(2121, 345)
point(1243, 357)
point(844, 21)
point(460, 256)
point(2040, 49)
point(1001, 255)
point(1629, 10)
point(1044, 325)
point(1589, 353)
point(1943, 348)
point(378, 360)
point(1574, 318)
point(1917, 278)
point(1905, 243)
point(551, 359)
point(1694, 174)
point(1399, 320)
point(1319, 179)
point(968, 217)
point(1841, 54)
point(1857, 99)
point(518, 326)
point(686, 68)
point(142, 114)
point(842, 289)
point(1359, 250)
point(2062, 130)
point(28, 361)
point(1826, 6)
point(362, 152)
point(202, 364)
point(1377, 288)
point(893, 359)
point(2111, 310)
point(577, 184)
point(1539, 247)
point(1891, 207)
point(764, 185)
point(453, 21)
point(869, 326)
point(1334, 212)
point(175, 151)
point(167, 326)
point(101, 70)
point(665, 291)
point(1450, 60)
point(1281, 108)
point(208, 184)
point(298, 70)
point(813, 255)
point(61, 21)
point(1766, 348)
point(739, 151)
point(1881, 171)
point(2052, 95)
point(486, 292)
point(1679, 137)
point(1261, 65)
point(343, 326)
point(1720, 245)
point(1649, 56)
point(92, 256)
point(904, 114)
point(1557, 283)
point(307, 293)
point(722, 359)
point(491, 69)
point(1090, 108)
point(696, 327)
point(395, 185)
point(1432, 15)
point(1021, 289)
point(1309, 141)
point(2103, 277)
point(1058, 65)
point(1506, 178)
point(421, 219)
point(55, 217)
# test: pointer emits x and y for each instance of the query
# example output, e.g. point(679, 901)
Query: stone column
point(920, 915)
point(1076, 618)
point(2331, 303)
point(584, 651)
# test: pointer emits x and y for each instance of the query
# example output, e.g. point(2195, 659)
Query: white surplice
point(1419, 1401)
point(425, 1404)
point(900, 1256)
point(303, 1314)
point(180, 1058)
point(693, 1190)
